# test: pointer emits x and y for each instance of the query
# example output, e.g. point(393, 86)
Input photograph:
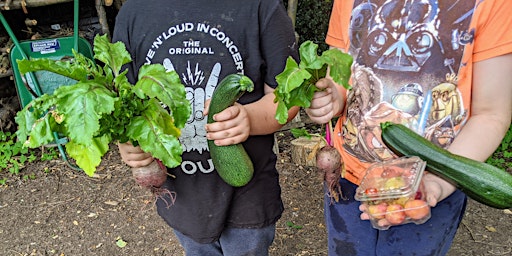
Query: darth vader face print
point(410, 35)
point(403, 35)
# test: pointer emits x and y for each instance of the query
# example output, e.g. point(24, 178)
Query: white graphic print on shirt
point(182, 45)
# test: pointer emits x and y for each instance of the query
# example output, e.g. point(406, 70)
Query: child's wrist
point(446, 188)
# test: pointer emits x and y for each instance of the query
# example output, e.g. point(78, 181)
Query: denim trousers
point(348, 235)
point(232, 242)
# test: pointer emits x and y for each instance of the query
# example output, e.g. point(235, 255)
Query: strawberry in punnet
point(416, 209)
point(395, 214)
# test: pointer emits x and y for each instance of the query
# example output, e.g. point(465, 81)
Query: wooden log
point(17, 4)
point(303, 150)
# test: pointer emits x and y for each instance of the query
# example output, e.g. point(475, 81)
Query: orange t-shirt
point(413, 65)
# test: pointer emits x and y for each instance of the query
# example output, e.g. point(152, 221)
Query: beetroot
point(150, 176)
point(153, 176)
point(329, 165)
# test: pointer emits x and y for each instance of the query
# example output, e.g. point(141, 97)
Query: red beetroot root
point(153, 176)
point(329, 165)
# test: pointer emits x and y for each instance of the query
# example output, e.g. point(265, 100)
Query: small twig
point(470, 231)
point(487, 243)
point(50, 204)
point(19, 253)
point(321, 252)
point(507, 252)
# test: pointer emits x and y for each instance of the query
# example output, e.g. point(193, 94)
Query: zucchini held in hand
point(232, 162)
point(480, 181)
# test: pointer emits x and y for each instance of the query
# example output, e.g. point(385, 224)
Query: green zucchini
point(480, 181)
point(232, 162)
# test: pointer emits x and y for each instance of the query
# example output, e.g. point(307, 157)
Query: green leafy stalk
point(104, 107)
point(297, 81)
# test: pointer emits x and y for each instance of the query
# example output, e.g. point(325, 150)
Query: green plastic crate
point(52, 48)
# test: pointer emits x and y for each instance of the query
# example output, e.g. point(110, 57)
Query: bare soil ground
point(60, 211)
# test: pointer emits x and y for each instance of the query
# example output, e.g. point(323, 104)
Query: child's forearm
point(479, 138)
point(262, 115)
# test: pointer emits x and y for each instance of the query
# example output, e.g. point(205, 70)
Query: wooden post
point(292, 10)
point(292, 13)
point(102, 16)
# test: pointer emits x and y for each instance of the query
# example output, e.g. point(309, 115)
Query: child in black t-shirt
point(203, 41)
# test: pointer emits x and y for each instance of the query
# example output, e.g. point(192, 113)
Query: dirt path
point(61, 212)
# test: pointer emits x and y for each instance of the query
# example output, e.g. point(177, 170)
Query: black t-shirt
point(203, 41)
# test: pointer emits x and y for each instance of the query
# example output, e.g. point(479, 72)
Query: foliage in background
point(312, 20)
point(502, 157)
point(13, 156)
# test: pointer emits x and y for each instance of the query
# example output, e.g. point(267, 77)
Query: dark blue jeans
point(232, 242)
point(348, 235)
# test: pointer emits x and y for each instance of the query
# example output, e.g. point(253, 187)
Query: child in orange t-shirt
point(442, 68)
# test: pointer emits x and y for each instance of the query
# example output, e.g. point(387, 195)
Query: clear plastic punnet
point(392, 194)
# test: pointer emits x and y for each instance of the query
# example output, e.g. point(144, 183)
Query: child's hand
point(231, 125)
point(364, 215)
point(134, 156)
point(326, 103)
point(436, 188)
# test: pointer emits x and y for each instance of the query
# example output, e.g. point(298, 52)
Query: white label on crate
point(46, 46)
point(55, 26)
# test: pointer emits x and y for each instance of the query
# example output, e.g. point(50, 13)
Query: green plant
point(312, 130)
point(292, 225)
point(502, 157)
point(300, 132)
point(483, 182)
point(30, 176)
point(297, 81)
point(232, 161)
point(13, 155)
point(104, 107)
point(49, 154)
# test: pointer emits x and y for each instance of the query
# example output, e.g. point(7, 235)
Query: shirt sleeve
point(337, 33)
point(121, 34)
point(278, 42)
point(493, 24)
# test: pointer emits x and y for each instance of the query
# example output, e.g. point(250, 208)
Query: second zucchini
point(480, 181)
